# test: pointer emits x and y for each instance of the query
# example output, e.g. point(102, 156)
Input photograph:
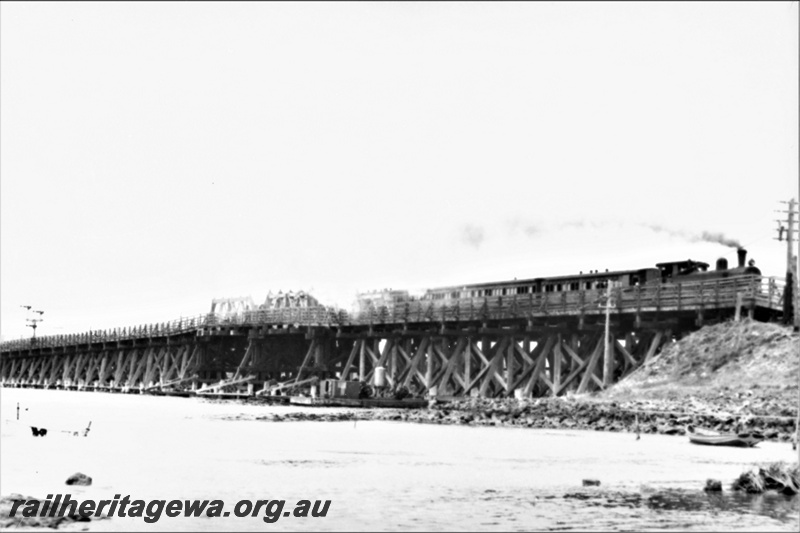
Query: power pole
point(790, 292)
point(797, 421)
point(789, 295)
point(34, 323)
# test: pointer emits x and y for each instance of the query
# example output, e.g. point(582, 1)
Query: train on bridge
point(663, 273)
point(528, 337)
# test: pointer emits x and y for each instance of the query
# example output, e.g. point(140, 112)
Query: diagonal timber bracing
point(518, 356)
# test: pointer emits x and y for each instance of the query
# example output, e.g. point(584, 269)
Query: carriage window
point(574, 286)
point(522, 290)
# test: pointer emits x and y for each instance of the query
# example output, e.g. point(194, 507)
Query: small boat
point(746, 439)
point(411, 403)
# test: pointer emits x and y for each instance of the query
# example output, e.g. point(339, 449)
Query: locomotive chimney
point(742, 253)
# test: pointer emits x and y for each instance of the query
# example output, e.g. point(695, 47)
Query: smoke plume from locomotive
point(706, 236)
point(721, 239)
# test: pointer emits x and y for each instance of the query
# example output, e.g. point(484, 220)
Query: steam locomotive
point(667, 272)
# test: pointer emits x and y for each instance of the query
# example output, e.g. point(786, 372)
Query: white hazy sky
point(157, 155)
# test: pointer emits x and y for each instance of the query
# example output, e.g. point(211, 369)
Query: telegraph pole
point(797, 421)
point(791, 273)
point(789, 297)
point(790, 316)
point(34, 322)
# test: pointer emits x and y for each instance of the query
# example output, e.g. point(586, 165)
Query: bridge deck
point(753, 292)
point(528, 345)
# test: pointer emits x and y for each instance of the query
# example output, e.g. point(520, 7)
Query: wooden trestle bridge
point(530, 345)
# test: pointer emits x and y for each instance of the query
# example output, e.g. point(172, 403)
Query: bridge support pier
point(109, 366)
point(526, 362)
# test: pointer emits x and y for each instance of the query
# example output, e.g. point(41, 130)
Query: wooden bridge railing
point(175, 327)
point(722, 293)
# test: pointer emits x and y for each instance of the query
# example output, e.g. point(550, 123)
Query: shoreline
point(654, 417)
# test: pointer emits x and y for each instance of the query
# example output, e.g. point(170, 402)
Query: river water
point(377, 475)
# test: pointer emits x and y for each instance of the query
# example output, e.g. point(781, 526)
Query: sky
point(155, 156)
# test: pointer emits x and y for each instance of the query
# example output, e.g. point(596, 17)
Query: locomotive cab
point(673, 269)
point(677, 271)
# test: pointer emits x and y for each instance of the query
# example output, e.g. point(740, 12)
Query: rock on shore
point(17, 521)
point(79, 479)
point(666, 418)
point(781, 477)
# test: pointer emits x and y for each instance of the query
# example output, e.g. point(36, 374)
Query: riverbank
point(556, 413)
point(744, 368)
